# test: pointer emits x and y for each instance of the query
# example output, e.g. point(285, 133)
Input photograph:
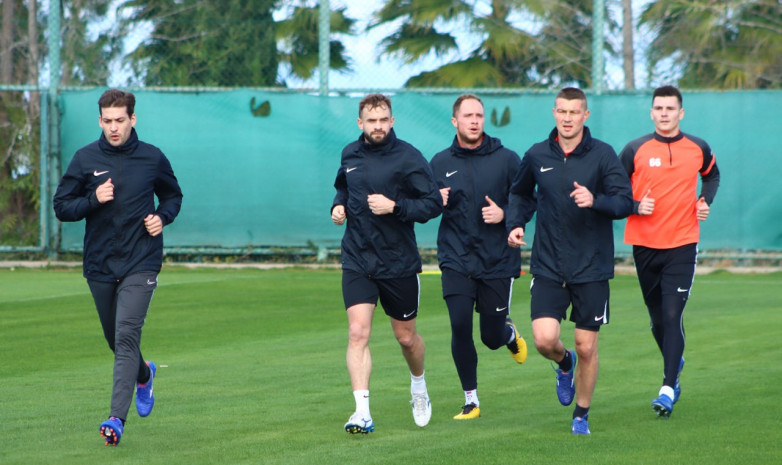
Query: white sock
point(471, 397)
point(362, 401)
point(667, 390)
point(417, 383)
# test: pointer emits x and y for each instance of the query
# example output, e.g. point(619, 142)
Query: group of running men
point(486, 193)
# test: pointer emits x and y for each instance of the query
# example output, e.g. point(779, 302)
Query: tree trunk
point(7, 42)
point(628, 51)
point(34, 55)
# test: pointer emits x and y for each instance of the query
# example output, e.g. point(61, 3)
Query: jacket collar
point(668, 140)
point(488, 145)
point(384, 147)
point(584, 146)
point(128, 147)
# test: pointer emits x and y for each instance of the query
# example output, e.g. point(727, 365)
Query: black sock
point(580, 412)
point(566, 363)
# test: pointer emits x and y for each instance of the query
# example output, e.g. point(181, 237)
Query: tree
point(204, 42)
point(299, 40)
point(732, 44)
point(565, 43)
point(19, 130)
point(552, 49)
point(84, 57)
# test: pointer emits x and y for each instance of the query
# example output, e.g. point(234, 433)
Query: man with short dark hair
point(112, 183)
point(578, 187)
point(664, 230)
point(384, 185)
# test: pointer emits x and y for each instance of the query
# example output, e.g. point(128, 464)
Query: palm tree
point(298, 35)
point(553, 51)
point(732, 44)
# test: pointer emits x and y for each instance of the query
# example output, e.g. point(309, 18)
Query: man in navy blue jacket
point(383, 185)
point(578, 187)
point(478, 268)
point(112, 183)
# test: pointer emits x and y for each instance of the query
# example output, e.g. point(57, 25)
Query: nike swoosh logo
point(151, 283)
point(501, 309)
point(448, 175)
point(678, 289)
point(350, 169)
point(543, 170)
point(408, 315)
point(98, 173)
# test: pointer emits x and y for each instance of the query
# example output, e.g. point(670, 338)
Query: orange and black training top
point(667, 168)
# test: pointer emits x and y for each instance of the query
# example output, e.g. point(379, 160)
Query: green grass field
point(252, 371)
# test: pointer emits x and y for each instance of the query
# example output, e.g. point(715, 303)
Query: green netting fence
point(257, 167)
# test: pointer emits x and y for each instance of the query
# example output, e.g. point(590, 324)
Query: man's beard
point(373, 141)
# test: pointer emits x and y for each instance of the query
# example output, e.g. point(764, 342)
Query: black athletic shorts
point(490, 295)
point(666, 271)
point(589, 302)
point(399, 296)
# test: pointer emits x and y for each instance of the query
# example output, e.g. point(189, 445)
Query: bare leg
point(358, 357)
point(413, 348)
point(588, 363)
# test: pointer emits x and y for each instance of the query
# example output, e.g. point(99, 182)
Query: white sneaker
point(422, 408)
point(359, 424)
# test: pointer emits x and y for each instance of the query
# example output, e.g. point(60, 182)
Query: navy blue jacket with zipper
point(116, 242)
point(571, 244)
point(465, 243)
point(384, 246)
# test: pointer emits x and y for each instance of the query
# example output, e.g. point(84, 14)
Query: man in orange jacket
point(664, 229)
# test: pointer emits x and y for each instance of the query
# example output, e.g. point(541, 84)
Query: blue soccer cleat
point(663, 406)
point(580, 426)
point(111, 430)
point(145, 399)
point(566, 389)
point(360, 424)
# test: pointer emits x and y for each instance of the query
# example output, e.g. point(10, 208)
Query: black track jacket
point(465, 243)
point(572, 244)
point(384, 246)
point(116, 243)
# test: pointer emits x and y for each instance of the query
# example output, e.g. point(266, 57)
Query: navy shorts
point(589, 302)
point(666, 271)
point(490, 295)
point(398, 296)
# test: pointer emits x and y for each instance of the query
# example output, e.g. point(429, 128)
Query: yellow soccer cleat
point(517, 348)
point(468, 412)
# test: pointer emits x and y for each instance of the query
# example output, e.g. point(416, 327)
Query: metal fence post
point(324, 52)
point(52, 155)
point(597, 46)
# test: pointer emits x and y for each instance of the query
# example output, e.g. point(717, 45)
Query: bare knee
point(358, 334)
point(407, 339)
point(586, 349)
point(546, 346)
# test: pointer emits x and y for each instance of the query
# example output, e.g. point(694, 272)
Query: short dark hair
point(667, 91)
point(458, 103)
point(373, 101)
point(572, 93)
point(115, 98)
